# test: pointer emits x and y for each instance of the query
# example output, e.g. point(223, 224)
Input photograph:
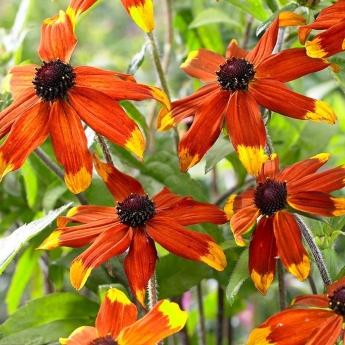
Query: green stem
point(152, 291)
point(202, 329)
point(105, 148)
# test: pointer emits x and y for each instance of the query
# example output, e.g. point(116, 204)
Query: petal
point(289, 64)
point(70, 146)
point(289, 242)
point(319, 301)
point(81, 336)
point(274, 95)
point(119, 184)
point(339, 284)
point(166, 199)
point(203, 64)
point(204, 131)
point(28, 132)
point(76, 7)
point(185, 107)
point(234, 50)
point(317, 203)
point(263, 255)
point(140, 263)
point(270, 169)
point(115, 313)
point(141, 12)
point(21, 77)
point(247, 131)
point(164, 319)
point(185, 243)
point(107, 118)
point(244, 199)
point(57, 38)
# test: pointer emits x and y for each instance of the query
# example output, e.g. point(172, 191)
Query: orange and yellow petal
point(20, 78)
point(115, 313)
point(57, 38)
point(272, 94)
point(185, 243)
point(203, 64)
point(77, 7)
point(234, 50)
point(164, 319)
point(263, 255)
point(140, 263)
point(81, 336)
point(28, 132)
point(247, 131)
point(270, 169)
point(319, 301)
point(289, 242)
point(141, 12)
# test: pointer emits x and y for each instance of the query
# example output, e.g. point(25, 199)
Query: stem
point(57, 171)
point(282, 289)
point(314, 250)
point(105, 149)
point(202, 333)
point(220, 316)
point(312, 284)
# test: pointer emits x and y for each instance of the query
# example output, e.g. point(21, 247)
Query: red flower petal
point(319, 301)
point(81, 336)
point(21, 78)
point(234, 50)
point(270, 169)
point(76, 7)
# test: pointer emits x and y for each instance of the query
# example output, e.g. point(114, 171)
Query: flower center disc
point(136, 210)
point(108, 340)
point(270, 197)
point(337, 301)
point(53, 80)
point(235, 74)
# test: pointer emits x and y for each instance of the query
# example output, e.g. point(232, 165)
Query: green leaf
point(212, 16)
point(339, 77)
point(31, 184)
point(238, 276)
point(272, 4)
point(330, 259)
point(45, 319)
point(253, 7)
point(137, 60)
point(10, 245)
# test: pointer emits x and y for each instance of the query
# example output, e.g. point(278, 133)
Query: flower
point(76, 7)
point(135, 223)
point(237, 86)
point(116, 323)
point(55, 97)
point(331, 41)
point(141, 12)
point(311, 319)
point(296, 188)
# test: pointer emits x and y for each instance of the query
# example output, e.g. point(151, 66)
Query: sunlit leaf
point(253, 7)
point(212, 16)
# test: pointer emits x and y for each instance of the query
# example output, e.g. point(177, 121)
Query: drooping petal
point(28, 132)
point(247, 131)
point(206, 126)
point(166, 199)
point(70, 146)
point(319, 203)
point(164, 319)
point(107, 245)
point(274, 95)
point(119, 184)
point(185, 243)
point(203, 64)
point(289, 242)
point(314, 326)
point(77, 7)
point(140, 263)
point(185, 107)
point(115, 313)
point(21, 77)
point(289, 64)
point(270, 169)
point(107, 118)
point(319, 301)
point(81, 336)
point(141, 12)
point(234, 50)
point(57, 38)
point(263, 255)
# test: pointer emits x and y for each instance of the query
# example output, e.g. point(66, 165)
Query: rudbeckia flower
point(296, 188)
point(135, 224)
point(237, 86)
point(311, 319)
point(141, 12)
point(54, 98)
point(76, 7)
point(116, 323)
point(332, 40)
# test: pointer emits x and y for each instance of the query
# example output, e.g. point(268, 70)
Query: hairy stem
point(281, 282)
point(105, 148)
point(202, 329)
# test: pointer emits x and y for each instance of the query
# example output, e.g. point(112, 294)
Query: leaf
point(253, 7)
point(10, 245)
point(238, 276)
point(137, 60)
point(212, 16)
point(339, 77)
point(330, 260)
point(31, 185)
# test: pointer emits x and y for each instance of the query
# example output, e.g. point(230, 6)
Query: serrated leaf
point(137, 60)
point(253, 7)
point(10, 245)
point(212, 16)
point(238, 276)
point(330, 260)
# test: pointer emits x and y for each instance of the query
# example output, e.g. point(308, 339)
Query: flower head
point(311, 319)
point(54, 98)
point(236, 86)
point(332, 40)
point(296, 188)
point(116, 323)
point(136, 223)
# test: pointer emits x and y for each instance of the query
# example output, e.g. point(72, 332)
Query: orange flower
point(116, 323)
point(237, 86)
point(331, 41)
point(296, 188)
point(55, 97)
point(135, 223)
point(141, 12)
point(311, 319)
